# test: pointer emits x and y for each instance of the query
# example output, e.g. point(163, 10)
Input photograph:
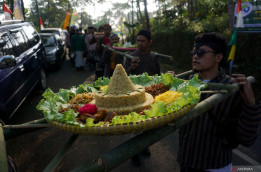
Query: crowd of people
point(89, 45)
point(203, 143)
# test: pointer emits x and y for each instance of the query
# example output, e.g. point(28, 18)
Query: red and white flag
point(41, 24)
point(7, 12)
point(240, 21)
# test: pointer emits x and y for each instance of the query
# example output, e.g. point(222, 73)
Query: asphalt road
point(34, 151)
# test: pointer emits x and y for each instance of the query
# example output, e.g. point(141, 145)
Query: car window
point(6, 47)
point(31, 34)
point(20, 41)
point(48, 40)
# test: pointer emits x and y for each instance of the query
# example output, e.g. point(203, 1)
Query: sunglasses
point(200, 52)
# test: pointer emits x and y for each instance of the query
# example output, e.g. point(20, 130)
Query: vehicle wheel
point(42, 84)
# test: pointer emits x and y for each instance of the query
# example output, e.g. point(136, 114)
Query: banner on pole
point(67, 19)
point(251, 13)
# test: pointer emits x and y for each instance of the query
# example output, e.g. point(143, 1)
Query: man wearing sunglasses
point(204, 143)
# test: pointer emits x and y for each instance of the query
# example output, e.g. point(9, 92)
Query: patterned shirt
point(199, 145)
point(148, 63)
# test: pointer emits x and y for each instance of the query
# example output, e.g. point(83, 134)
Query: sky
point(98, 9)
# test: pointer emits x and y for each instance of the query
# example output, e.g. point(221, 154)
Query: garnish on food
point(89, 109)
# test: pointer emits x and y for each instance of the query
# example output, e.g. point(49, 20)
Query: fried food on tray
point(156, 89)
point(100, 115)
point(109, 116)
point(74, 107)
point(83, 98)
point(82, 117)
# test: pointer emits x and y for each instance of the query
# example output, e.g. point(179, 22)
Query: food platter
point(137, 103)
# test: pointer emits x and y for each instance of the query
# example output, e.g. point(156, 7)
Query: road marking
point(246, 157)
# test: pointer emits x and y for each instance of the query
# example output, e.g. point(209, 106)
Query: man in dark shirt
point(144, 60)
point(203, 142)
point(111, 59)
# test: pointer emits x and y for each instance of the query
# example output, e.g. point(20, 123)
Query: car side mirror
point(7, 61)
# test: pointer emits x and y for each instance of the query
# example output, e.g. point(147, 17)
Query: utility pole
point(38, 15)
point(22, 4)
point(132, 22)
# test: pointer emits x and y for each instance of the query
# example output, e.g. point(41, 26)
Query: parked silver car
point(54, 48)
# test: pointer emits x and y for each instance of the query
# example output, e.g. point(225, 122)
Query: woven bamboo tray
point(120, 129)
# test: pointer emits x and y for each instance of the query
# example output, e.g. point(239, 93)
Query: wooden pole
point(129, 56)
point(53, 164)
point(25, 126)
point(3, 158)
point(11, 133)
point(163, 55)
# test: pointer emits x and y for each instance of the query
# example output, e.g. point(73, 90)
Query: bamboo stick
point(25, 126)
point(129, 56)
point(3, 158)
point(118, 52)
point(218, 86)
point(185, 74)
point(214, 91)
point(11, 133)
point(164, 55)
point(53, 164)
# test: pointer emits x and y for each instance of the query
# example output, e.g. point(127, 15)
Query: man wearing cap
point(111, 59)
point(144, 60)
point(206, 143)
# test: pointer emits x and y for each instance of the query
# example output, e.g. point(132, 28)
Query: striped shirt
point(148, 63)
point(199, 145)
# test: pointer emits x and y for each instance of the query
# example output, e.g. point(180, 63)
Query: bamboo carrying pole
point(11, 133)
point(129, 56)
point(3, 158)
point(53, 164)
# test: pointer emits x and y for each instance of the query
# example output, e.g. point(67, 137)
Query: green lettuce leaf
point(157, 109)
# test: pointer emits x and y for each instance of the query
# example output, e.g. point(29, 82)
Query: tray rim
point(125, 128)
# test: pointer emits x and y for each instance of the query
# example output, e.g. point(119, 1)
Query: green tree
point(52, 12)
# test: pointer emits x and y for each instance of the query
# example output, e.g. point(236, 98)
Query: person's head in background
point(144, 41)
point(100, 29)
point(77, 31)
point(114, 38)
point(80, 30)
point(68, 29)
point(107, 30)
point(85, 31)
point(91, 30)
point(209, 53)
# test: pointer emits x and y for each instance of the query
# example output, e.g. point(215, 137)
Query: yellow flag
point(67, 19)
point(232, 53)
